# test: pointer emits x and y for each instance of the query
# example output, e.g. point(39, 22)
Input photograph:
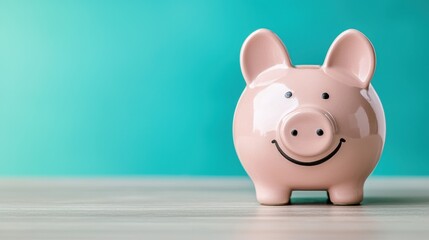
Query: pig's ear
point(353, 54)
point(262, 50)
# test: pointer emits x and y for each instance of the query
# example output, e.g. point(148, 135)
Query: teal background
point(149, 87)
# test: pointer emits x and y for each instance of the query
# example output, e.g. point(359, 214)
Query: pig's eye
point(325, 95)
point(288, 94)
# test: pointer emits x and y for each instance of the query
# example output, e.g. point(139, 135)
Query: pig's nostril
point(294, 132)
point(319, 132)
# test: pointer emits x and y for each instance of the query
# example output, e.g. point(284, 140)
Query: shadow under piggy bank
point(322, 198)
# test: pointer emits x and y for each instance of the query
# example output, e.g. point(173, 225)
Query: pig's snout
point(307, 131)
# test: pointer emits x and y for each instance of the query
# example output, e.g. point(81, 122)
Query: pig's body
point(307, 127)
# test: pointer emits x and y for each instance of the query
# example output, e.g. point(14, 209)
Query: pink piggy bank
point(308, 127)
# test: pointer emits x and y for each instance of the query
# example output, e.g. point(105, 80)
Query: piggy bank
point(308, 127)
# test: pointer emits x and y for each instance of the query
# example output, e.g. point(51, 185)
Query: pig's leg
point(272, 195)
point(346, 194)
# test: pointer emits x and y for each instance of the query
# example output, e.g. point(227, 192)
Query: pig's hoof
point(272, 198)
point(272, 201)
point(346, 195)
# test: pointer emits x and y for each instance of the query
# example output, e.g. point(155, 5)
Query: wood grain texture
point(204, 208)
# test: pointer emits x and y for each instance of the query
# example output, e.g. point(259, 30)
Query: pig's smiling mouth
point(314, 163)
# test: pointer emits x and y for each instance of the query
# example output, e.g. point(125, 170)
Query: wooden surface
point(204, 208)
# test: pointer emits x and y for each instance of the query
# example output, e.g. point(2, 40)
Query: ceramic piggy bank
point(308, 127)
